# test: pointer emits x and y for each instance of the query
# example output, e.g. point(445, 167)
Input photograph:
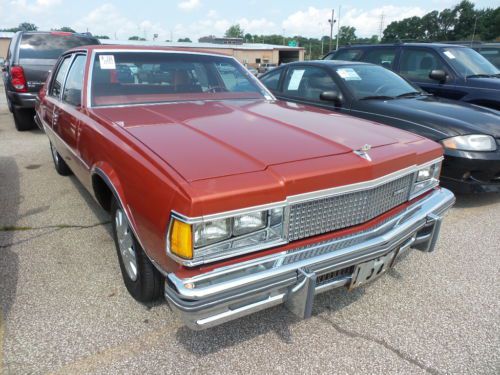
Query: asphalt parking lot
point(65, 310)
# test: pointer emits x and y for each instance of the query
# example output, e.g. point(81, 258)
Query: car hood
point(446, 118)
point(203, 140)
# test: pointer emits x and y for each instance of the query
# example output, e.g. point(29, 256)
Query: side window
point(272, 80)
point(416, 64)
point(72, 93)
point(381, 56)
point(58, 82)
point(308, 82)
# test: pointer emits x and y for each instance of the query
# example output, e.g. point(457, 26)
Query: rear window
point(345, 54)
point(50, 46)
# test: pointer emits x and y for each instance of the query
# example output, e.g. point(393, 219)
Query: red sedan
point(225, 200)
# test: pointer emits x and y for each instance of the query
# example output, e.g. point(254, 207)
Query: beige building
point(5, 38)
point(251, 54)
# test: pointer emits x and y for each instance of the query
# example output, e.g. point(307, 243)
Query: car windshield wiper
point(410, 94)
point(381, 97)
point(483, 76)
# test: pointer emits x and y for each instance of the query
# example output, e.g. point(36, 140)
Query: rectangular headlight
point(211, 232)
point(249, 223)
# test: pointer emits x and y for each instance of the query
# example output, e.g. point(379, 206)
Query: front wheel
point(142, 279)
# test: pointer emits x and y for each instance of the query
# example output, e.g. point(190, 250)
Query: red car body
point(204, 157)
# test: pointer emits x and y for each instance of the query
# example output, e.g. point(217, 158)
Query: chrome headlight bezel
point(470, 142)
point(426, 178)
point(237, 242)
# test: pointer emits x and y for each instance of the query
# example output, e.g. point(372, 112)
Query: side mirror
point(438, 75)
point(331, 96)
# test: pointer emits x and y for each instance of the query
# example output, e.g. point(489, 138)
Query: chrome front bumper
point(294, 276)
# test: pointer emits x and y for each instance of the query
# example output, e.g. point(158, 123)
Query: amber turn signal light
point(181, 243)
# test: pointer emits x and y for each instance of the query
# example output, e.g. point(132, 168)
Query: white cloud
point(189, 4)
point(108, 20)
point(37, 6)
point(314, 21)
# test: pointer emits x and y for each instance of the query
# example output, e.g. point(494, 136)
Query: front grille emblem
point(363, 152)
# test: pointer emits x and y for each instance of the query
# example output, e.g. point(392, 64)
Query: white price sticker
point(348, 74)
point(107, 61)
point(295, 79)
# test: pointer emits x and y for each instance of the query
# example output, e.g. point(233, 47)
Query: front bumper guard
point(294, 276)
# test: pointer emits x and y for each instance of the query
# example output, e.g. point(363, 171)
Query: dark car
point(29, 58)
point(449, 71)
point(469, 134)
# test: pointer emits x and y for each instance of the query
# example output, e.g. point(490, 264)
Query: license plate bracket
point(366, 272)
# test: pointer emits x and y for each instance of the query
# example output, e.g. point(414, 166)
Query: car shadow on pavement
point(476, 200)
point(9, 203)
point(276, 319)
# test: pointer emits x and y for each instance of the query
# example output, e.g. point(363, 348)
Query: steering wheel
point(217, 89)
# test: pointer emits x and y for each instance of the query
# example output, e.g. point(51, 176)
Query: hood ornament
point(363, 152)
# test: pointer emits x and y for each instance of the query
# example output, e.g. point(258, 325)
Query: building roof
point(6, 34)
point(244, 46)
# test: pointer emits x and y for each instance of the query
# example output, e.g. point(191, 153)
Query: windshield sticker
point(295, 79)
point(449, 54)
point(107, 61)
point(348, 74)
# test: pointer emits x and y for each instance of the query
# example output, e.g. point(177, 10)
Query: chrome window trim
point(294, 199)
point(109, 50)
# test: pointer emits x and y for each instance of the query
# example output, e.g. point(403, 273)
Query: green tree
point(347, 35)
point(24, 26)
point(135, 37)
point(186, 40)
point(101, 36)
point(66, 29)
point(235, 31)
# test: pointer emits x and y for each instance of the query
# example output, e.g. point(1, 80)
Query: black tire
point(23, 118)
point(147, 286)
point(59, 163)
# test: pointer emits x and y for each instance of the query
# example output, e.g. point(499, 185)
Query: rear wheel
point(142, 279)
point(59, 163)
point(23, 118)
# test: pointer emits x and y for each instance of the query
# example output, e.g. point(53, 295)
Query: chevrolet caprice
point(224, 200)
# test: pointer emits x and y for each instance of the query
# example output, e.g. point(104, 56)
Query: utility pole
point(473, 32)
point(283, 36)
point(381, 27)
point(338, 30)
point(332, 21)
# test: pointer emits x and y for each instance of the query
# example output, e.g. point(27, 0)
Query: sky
point(195, 18)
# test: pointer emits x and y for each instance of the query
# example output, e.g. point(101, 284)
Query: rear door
point(70, 113)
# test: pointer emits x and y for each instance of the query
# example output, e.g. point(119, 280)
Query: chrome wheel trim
point(126, 244)
point(54, 153)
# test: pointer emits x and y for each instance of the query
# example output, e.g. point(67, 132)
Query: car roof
point(329, 63)
point(121, 47)
point(430, 45)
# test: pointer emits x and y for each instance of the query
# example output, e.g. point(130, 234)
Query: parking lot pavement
point(64, 308)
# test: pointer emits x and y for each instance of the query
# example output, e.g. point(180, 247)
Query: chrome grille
point(341, 211)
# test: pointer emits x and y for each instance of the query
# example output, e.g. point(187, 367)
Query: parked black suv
point(450, 71)
point(30, 57)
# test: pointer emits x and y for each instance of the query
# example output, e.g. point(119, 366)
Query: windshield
point(468, 62)
point(50, 46)
point(120, 78)
point(366, 81)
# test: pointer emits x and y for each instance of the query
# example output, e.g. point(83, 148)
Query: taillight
point(18, 79)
